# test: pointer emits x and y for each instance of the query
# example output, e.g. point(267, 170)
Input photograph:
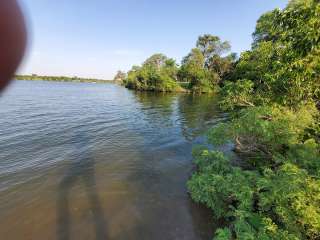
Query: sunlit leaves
point(157, 73)
point(284, 63)
point(275, 194)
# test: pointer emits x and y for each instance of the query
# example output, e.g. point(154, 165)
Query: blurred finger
point(12, 39)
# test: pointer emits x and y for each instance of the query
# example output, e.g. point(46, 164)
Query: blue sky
point(95, 38)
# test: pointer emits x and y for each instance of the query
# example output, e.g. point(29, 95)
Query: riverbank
point(61, 79)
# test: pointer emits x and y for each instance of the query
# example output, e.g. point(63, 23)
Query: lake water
point(97, 161)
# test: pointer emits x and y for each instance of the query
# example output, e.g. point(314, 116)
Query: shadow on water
point(81, 169)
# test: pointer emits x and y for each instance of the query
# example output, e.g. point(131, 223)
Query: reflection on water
point(197, 114)
point(89, 161)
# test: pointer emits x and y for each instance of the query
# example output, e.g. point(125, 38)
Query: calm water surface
point(92, 161)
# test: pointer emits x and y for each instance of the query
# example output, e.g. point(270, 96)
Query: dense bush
point(237, 94)
point(157, 73)
point(261, 133)
point(284, 63)
point(272, 190)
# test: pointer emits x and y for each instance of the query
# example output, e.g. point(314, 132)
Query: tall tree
point(211, 46)
point(192, 71)
point(156, 60)
point(119, 77)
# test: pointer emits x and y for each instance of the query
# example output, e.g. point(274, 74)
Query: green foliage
point(237, 94)
point(201, 71)
point(307, 156)
point(119, 77)
point(205, 67)
point(272, 190)
point(193, 72)
point(264, 28)
point(223, 234)
point(218, 185)
point(277, 200)
point(262, 133)
point(211, 46)
point(292, 198)
point(35, 77)
point(284, 64)
point(157, 73)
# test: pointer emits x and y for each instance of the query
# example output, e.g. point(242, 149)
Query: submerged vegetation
point(272, 190)
point(36, 77)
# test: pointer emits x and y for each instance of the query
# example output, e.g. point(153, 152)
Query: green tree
point(120, 77)
point(211, 46)
point(193, 71)
point(205, 66)
point(157, 73)
point(284, 62)
point(265, 28)
point(156, 61)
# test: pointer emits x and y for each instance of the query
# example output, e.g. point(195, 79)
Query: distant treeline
point(35, 77)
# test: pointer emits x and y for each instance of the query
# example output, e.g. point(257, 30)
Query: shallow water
point(97, 161)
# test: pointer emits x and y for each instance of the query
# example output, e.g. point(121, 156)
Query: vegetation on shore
point(157, 73)
point(272, 190)
point(35, 77)
point(201, 71)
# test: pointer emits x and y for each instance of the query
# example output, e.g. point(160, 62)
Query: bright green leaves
point(262, 133)
point(275, 204)
point(220, 186)
point(237, 94)
point(205, 67)
point(265, 31)
point(292, 197)
point(201, 71)
point(223, 234)
point(275, 194)
point(211, 46)
point(192, 71)
point(157, 73)
point(307, 156)
point(284, 64)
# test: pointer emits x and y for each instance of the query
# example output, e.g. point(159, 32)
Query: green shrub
point(273, 192)
point(157, 73)
point(262, 133)
point(237, 94)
